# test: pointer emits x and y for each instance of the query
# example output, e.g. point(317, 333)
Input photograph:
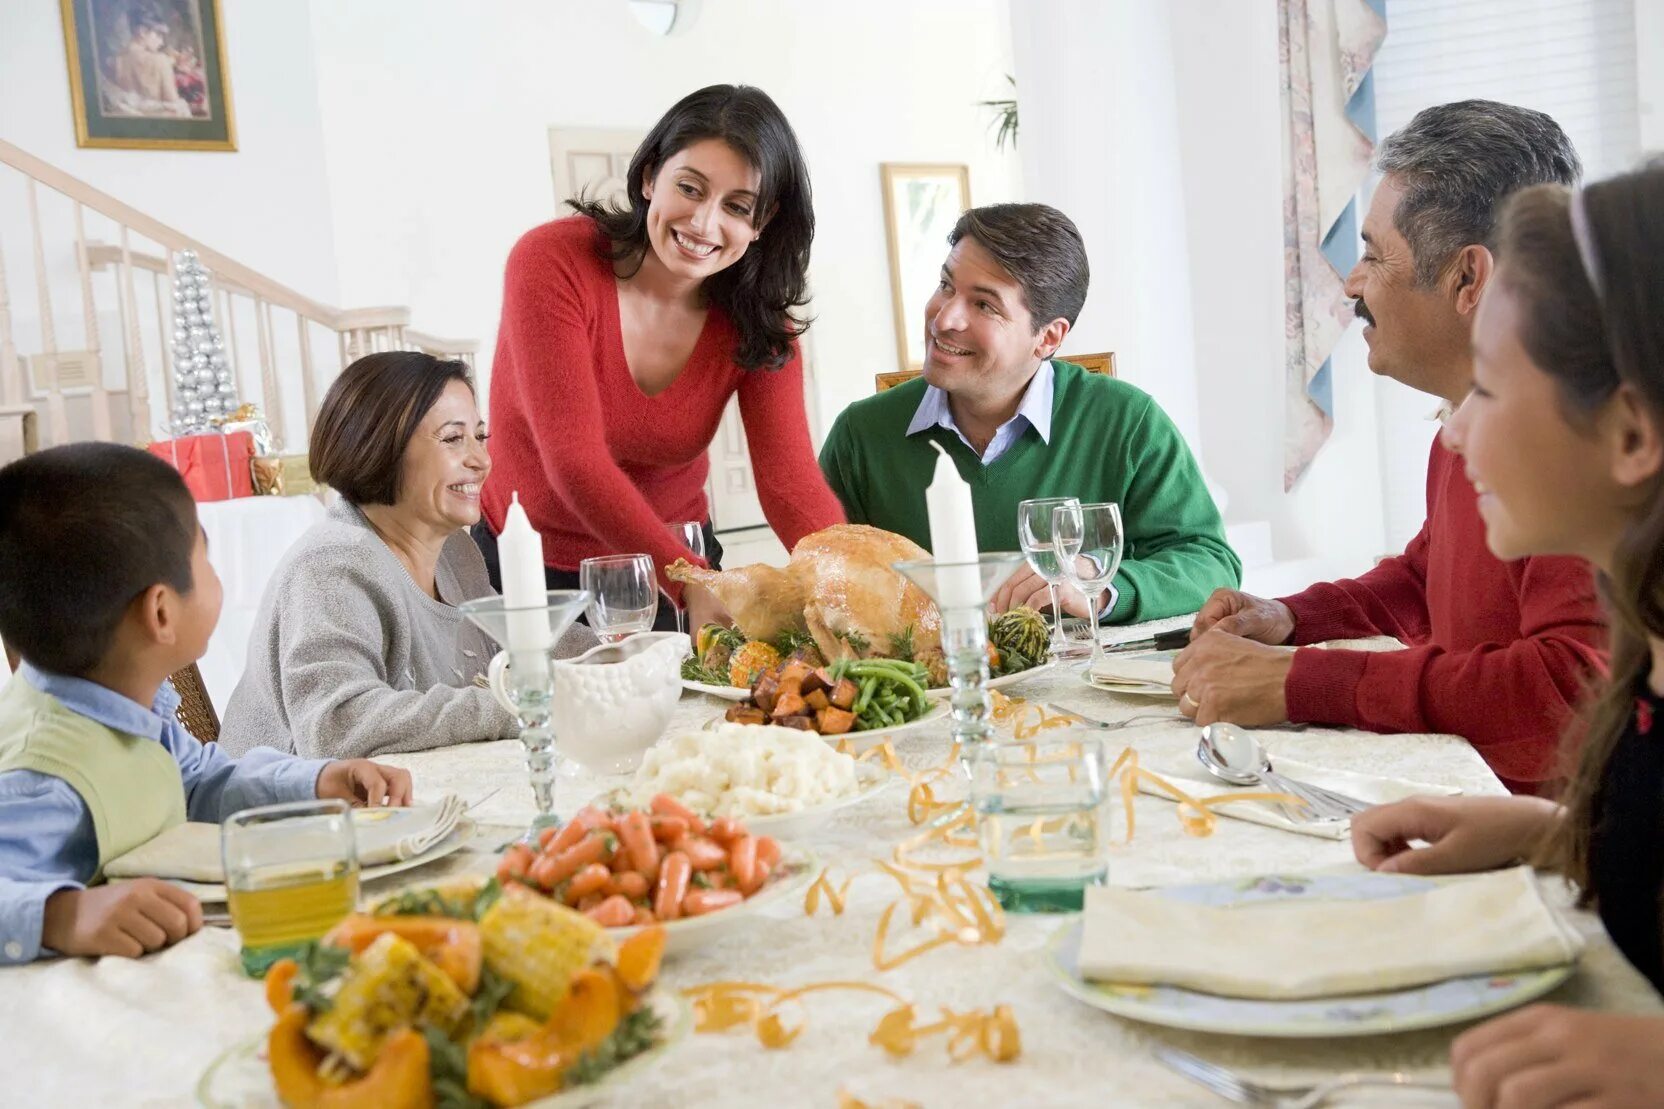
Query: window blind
point(1573, 59)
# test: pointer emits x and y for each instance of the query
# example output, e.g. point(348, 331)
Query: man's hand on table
point(1551, 1055)
point(1243, 614)
point(1025, 587)
point(1225, 677)
point(363, 783)
point(127, 919)
point(1463, 834)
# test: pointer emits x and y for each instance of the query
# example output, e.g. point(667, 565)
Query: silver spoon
point(1230, 754)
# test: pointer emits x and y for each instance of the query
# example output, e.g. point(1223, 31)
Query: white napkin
point(1187, 774)
point(1485, 924)
point(191, 851)
point(1145, 672)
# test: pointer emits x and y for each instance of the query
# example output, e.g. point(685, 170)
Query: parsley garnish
point(448, 1070)
point(901, 645)
point(858, 643)
point(430, 902)
point(635, 1034)
point(319, 965)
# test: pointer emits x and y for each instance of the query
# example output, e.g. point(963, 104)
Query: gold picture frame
point(921, 204)
point(150, 76)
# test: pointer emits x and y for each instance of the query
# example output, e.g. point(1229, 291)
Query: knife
point(1174, 640)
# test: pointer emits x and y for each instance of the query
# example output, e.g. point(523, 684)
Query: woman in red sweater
point(626, 329)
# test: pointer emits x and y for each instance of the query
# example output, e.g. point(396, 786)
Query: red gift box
point(215, 467)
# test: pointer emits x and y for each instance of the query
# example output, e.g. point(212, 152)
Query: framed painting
point(921, 205)
point(149, 74)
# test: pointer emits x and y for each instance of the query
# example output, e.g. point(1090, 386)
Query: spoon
point(1232, 755)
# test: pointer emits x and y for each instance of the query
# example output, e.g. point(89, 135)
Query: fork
point(1113, 725)
point(1243, 1091)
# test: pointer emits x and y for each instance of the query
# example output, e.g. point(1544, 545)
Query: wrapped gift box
point(283, 475)
point(215, 467)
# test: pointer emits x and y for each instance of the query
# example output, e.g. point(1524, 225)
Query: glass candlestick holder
point(961, 591)
point(523, 680)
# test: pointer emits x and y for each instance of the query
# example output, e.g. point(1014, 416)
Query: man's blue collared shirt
point(47, 841)
point(1035, 412)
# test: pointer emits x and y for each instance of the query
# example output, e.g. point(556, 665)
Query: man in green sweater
point(1020, 424)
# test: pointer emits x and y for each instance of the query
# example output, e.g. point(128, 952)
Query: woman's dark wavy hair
point(1591, 343)
point(758, 292)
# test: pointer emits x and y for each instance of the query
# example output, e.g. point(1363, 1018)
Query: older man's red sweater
point(1498, 652)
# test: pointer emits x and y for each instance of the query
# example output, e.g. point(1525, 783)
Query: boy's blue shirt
point(47, 842)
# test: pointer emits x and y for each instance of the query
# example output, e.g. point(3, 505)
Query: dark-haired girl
point(1563, 436)
point(626, 329)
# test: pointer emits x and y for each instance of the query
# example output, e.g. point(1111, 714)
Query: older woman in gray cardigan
point(358, 648)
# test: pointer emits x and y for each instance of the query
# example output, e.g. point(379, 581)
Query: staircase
point(86, 338)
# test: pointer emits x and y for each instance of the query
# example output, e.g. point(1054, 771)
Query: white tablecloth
point(247, 538)
point(140, 1033)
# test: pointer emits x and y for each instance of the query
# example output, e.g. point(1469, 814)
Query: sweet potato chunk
point(788, 704)
point(844, 693)
point(764, 692)
point(794, 672)
point(834, 721)
point(745, 714)
point(817, 680)
point(801, 723)
point(816, 700)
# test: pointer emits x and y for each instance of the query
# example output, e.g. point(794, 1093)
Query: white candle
point(520, 560)
point(953, 535)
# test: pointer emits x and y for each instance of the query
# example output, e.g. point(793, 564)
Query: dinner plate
point(741, 693)
point(938, 711)
point(1000, 682)
point(241, 1079)
point(870, 779)
point(215, 891)
point(1451, 1001)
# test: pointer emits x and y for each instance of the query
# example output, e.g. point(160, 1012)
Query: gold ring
point(1186, 699)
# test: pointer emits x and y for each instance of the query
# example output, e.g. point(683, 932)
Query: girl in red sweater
point(625, 330)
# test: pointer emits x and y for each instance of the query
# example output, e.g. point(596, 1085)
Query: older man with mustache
point(1496, 652)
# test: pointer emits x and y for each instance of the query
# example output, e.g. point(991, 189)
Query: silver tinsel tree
point(203, 390)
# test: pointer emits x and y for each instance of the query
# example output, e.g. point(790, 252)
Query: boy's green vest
point(130, 784)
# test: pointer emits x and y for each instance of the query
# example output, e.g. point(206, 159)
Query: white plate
point(1430, 1006)
point(726, 692)
point(870, 779)
point(937, 711)
point(241, 1079)
point(798, 867)
point(214, 892)
point(740, 693)
point(998, 683)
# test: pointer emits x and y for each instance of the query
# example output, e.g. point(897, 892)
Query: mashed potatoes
point(745, 770)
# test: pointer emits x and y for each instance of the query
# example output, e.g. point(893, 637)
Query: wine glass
point(623, 594)
point(1088, 541)
point(1034, 532)
point(692, 535)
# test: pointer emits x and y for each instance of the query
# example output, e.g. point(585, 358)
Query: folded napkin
point(1283, 950)
point(191, 851)
point(1145, 672)
point(1187, 774)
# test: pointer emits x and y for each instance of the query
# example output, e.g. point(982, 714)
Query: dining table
point(79, 1032)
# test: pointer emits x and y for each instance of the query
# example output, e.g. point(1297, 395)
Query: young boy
point(105, 590)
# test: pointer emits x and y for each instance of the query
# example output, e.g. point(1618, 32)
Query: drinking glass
point(1039, 806)
point(623, 595)
point(1088, 542)
point(1034, 532)
point(692, 535)
point(291, 874)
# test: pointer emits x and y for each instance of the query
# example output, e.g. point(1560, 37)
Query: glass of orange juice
point(291, 874)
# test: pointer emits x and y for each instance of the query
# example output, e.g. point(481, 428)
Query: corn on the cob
point(388, 986)
point(538, 945)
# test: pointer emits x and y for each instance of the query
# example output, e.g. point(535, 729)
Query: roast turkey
point(839, 587)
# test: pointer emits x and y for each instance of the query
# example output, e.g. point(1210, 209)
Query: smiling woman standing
point(358, 647)
point(625, 330)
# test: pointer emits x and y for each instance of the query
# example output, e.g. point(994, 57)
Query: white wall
point(1158, 129)
point(1649, 71)
point(438, 152)
point(266, 204)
